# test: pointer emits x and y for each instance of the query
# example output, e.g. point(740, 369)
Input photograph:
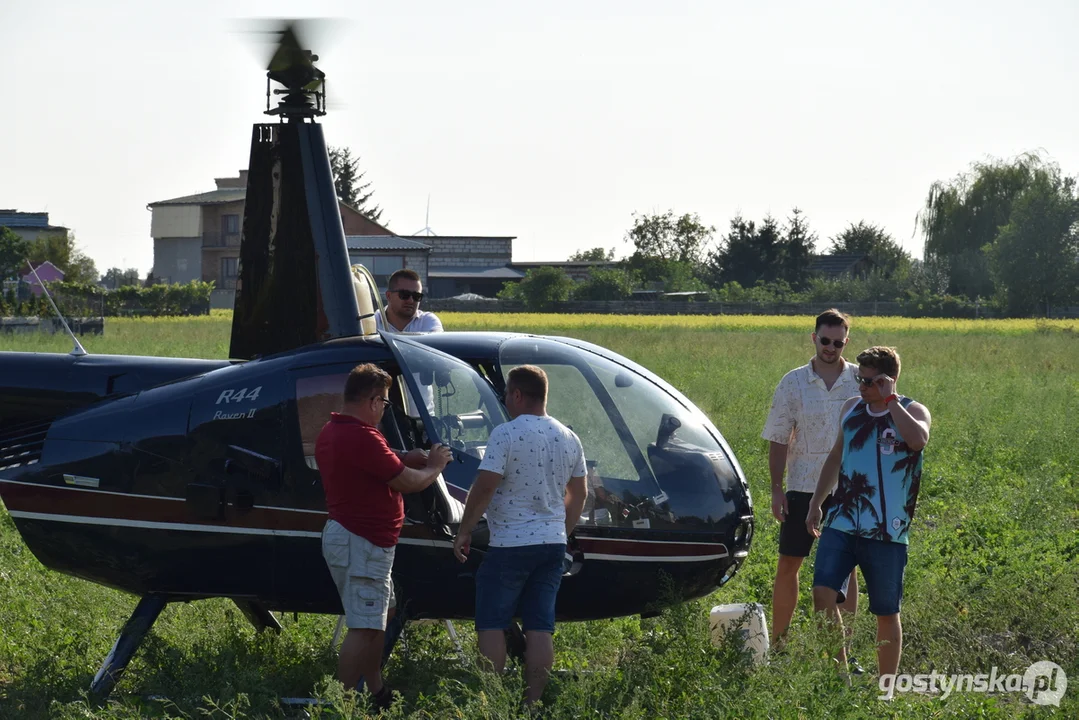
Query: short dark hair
point(530, 380)
point(406, 273)
point(832, 317)
point(366, 381)
point(882, 359)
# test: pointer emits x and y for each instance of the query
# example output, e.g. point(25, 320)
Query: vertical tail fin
point(295, 284)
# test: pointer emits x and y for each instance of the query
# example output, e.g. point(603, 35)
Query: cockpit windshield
point(651, 461)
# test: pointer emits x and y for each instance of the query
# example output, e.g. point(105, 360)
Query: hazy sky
point(552, 121)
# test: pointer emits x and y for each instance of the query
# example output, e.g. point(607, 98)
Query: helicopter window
point(574, 403)
point(319, 395)
point(650, 458)
point(643, 406)
point(463, 407)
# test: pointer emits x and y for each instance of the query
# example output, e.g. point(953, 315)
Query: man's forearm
point(913, 431)
point(475, 505)
point(777, 463)
point(574, 506)
point(412, 480)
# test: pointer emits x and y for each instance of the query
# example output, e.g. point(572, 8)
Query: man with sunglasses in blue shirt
point(875, 469)
point(402, 309)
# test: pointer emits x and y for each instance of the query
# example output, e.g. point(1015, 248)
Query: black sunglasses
point(825, 342)
point(406, 294)
point(868, 382)
point(385, 401)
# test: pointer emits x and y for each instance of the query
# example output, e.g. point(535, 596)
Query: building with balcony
point(197, 237)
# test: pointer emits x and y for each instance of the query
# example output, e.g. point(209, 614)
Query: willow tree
point(963, 216)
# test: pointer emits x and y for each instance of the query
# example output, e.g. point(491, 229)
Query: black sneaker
point(854, 666)
point(383, 699)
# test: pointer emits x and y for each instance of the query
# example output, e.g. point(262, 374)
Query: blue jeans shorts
point(882, 565)
point(519, 582)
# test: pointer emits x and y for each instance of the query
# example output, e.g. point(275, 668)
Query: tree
point(962, 217)
point(60, 249)
point(13, 253)
point(1035, 257)
point(866, 239)
point(751, 254)
point(667, 247)
point(605, 284)
point(797, 250)
point(540, 288)
point(596, 254)
point(349, 185)
point(745, 255)
point(117, 278)
point(665, 237)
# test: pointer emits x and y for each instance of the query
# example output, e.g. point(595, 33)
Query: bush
point(933, 305)
point(544, 286)
point(192, 298)
point(605, 284)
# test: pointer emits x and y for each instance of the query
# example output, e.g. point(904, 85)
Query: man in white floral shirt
point(801, 429)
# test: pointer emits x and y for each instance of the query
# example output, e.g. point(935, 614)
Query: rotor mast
point(304, 93)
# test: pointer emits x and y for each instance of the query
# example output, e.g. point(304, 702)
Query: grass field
point(992, 580)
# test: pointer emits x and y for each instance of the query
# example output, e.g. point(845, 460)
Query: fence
point(671, 307)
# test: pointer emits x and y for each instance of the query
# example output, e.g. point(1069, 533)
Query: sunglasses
point(406, 294)
point(385, 401)
point(868, 382)
point(825, 342)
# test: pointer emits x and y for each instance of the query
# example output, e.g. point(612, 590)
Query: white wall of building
point(176, 221)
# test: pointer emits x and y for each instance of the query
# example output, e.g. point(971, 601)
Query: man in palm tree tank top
point(877, 463)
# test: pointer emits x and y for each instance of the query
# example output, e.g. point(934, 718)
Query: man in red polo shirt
point(363, 479)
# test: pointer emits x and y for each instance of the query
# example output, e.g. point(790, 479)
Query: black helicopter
point(182, 479)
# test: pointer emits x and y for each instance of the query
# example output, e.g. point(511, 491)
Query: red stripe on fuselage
point(27, 497)
point(647, 548)
point(62, 500)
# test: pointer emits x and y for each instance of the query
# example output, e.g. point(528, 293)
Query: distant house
point(836, 266)
point(30, 225)
point(46, 272)
point(470, 264)
point(576, 270)
point(197, 237)
point(385, 254)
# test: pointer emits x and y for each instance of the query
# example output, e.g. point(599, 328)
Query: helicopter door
point(457, 408)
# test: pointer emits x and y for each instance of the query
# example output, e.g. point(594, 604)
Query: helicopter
point(179, 479)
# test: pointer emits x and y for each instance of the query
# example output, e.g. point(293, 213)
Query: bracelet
point(891, 397)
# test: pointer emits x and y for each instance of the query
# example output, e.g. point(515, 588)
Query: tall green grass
point(993, 577)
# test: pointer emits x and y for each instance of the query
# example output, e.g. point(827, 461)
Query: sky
point(552, 122)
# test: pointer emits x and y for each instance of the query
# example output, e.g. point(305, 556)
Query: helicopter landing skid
point(135, 629)
point(257, 614)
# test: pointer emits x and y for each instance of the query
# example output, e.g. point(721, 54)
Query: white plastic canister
point(746, 619)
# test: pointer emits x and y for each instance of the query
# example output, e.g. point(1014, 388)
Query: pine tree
point(349, 185)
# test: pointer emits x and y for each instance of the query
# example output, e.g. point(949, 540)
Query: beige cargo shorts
point(362, 572)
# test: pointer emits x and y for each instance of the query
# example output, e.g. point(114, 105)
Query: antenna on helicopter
point(78, 349)
point(426, 229)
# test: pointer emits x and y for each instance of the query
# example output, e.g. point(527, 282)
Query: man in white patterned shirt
point(531, 482)
point(801, 429)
